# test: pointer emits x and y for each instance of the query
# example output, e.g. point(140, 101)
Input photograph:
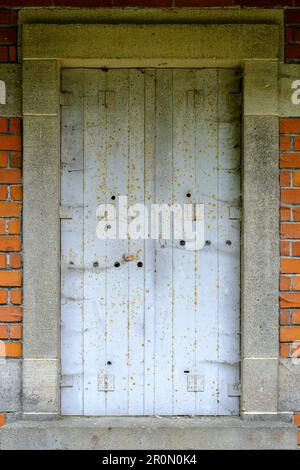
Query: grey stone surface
point(40, 87)
point(260, 238)
point(41, 223)
point(151, 15)
point(289, 385)
point(261, 81)
point(288, 73)
point(239, 41)
point(10, 385)
point(11, 75)
point(259, 385)
point(40, 386)
point(148, 433)
point(41, 236)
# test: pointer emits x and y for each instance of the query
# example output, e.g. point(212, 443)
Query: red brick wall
point(151, 3)
point(290, 241)
point(10, 209)
point(10, 237)
point(8, 35)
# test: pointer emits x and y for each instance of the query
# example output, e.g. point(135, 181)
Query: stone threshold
point(159, 433)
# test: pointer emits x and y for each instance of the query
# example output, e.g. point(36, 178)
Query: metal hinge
point(65, 212)
point(234, 213)
point(66, 381)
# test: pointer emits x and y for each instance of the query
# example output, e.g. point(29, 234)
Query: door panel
point(162, 337)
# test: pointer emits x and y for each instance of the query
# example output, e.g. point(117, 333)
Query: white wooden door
point(147, 326)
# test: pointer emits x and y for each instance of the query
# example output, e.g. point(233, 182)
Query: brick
point(11, 349)
point(297, 419)
point(285, 317)
point(16, 193)
point(288, 195)
point(2, 419)
point(3, 124)
point(15, 260)
point(3, 53)
point(85, 3)
point(290, 160)
point(295, 248)
point(10, 209)
point(290, 266)
point(290, 126)
point(3, 332)
point(15, 331)
point(13, 18)
point(292, 51)
point(292, 16)
point(284, 350)
point(15, 160)
point(289, 300)
point(289, 34)
point(10, 176)
point(296, 214)
point(3, 262)
point(285, 283)
point(14, 227)
point(285, 248)
point(296, 143)
point(3, 159)
point(290, 333)
point(286, 230)
point(10, 278)
point(296, 34)
point(3, 193)
point(2, 227)
point(12, 53)
point(296, 283)
point(14, 125)
point(10, 243)
point(285, 214)
point(264, 3)
point(135, 3)
point(8, 35)
point(4, 17)
point(295, 317)
point(296, 178)
point(3, 296)
point(11, 314)
point(16, 296)
point(285, 178)
point(10, 142)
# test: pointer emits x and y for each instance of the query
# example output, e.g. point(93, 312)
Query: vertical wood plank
point(117, 319)
point(183, 259)
point(229, 232)
point(150, 290)
point(164, 254)
point(72, 248)
point(95, 192)
point(136, 278)
point(207, 259)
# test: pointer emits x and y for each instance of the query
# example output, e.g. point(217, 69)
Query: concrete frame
point(46, 49)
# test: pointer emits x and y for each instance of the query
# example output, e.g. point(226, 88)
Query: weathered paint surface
point(162, 338)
